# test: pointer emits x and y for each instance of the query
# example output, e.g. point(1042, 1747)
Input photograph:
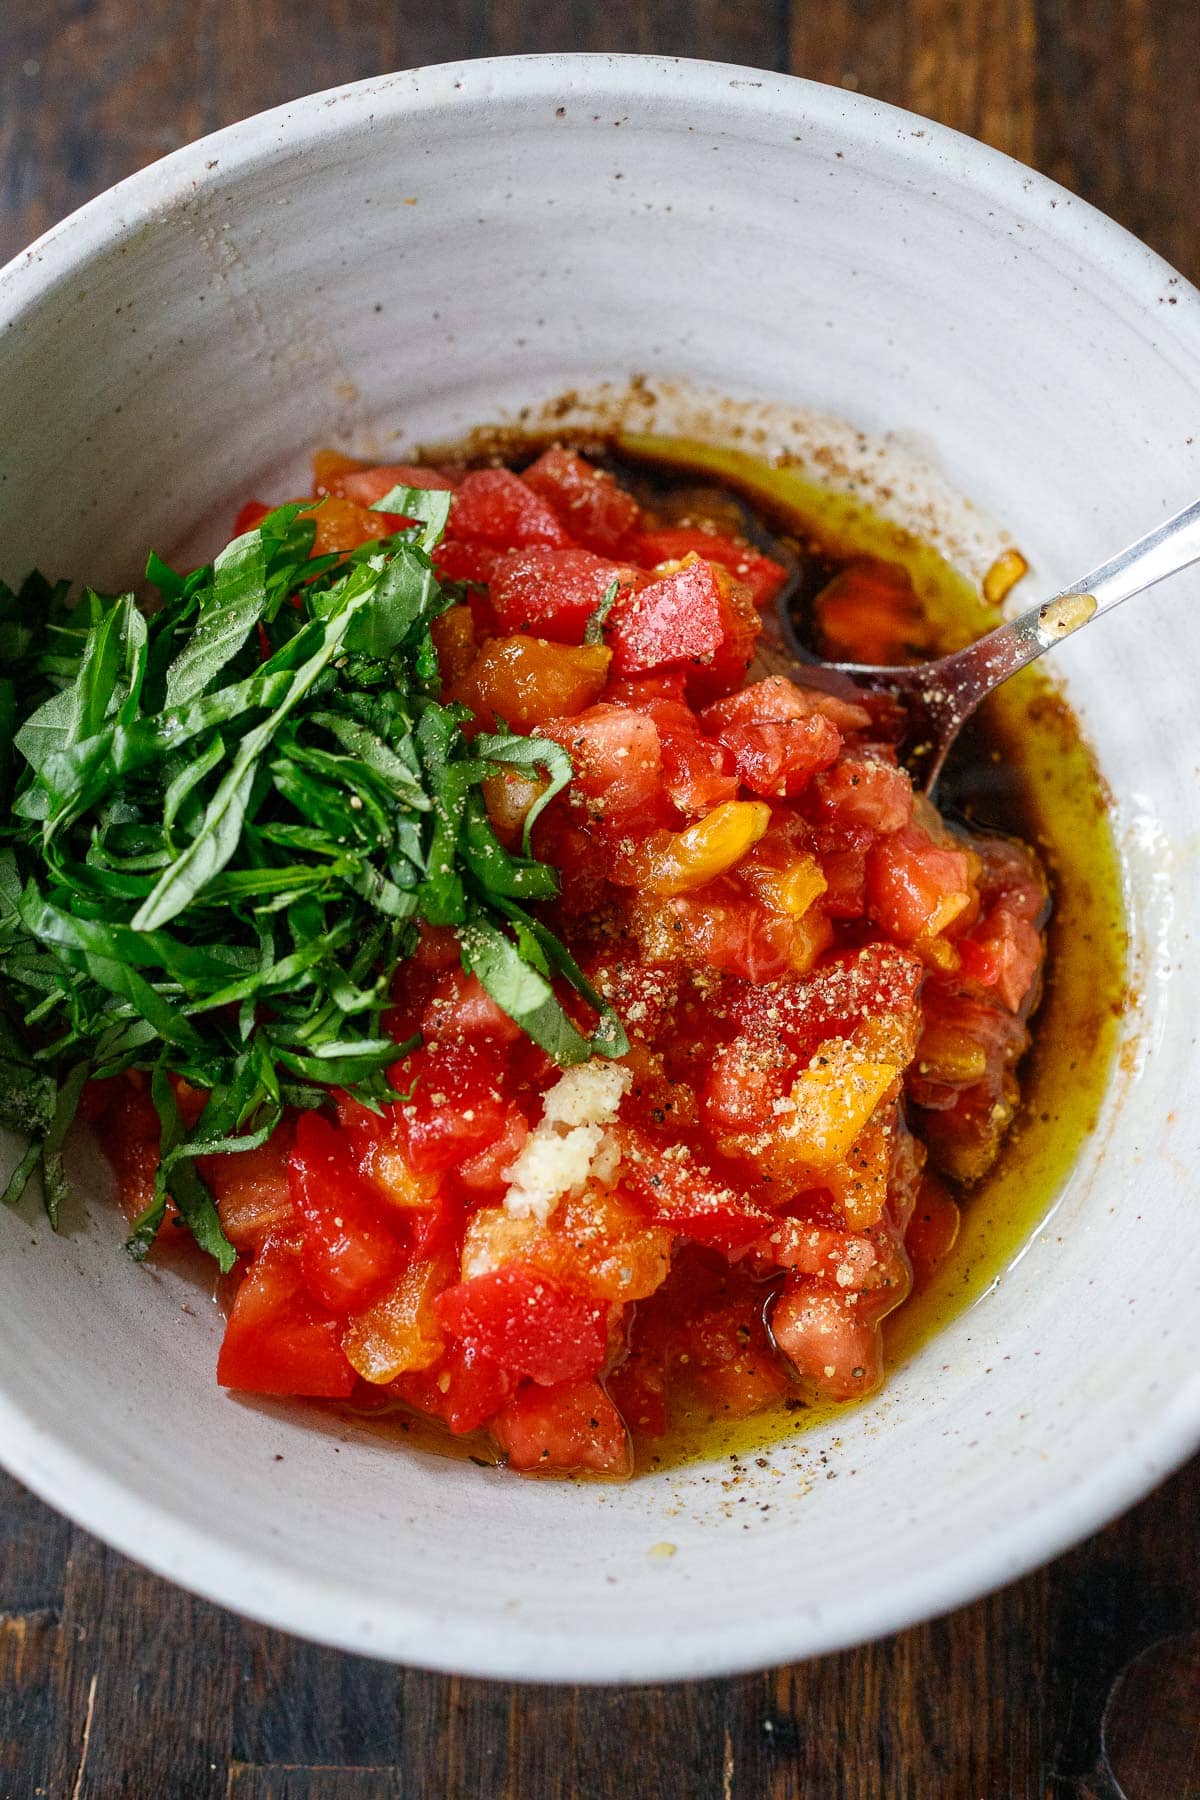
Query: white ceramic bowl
point(419, 252)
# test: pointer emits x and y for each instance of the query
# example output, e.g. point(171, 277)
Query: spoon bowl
point(938, 697)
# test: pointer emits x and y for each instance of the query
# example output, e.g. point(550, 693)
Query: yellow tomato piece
point(675, 862)
point(527, 681)
point(789, 888)
point(1003, 576)
point(832, 1100)
point(398, 1333)
point(860, 1183)
point(394, 1181)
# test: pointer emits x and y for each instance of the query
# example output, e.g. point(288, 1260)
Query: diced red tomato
point(638, 1388)
point(836, 1353)
point(368, 486)
point(253, 1191)
point(589, 503)
point(572, 1426)
point(915, 888)
point(761, 574)
point(457, 1105)
point(697, 773)
point(865, 790)
point(493, 506)
point(776, 700)
point(616, 758)
point(348, 1251)
point(781, 758)
point(693, 617)
point(931, 1230)
point(528, 1321)
point(684, 1196)
point(465, 562)
point(1004, 952)
point(460, 1006)
point(552, 593)
point(252, 514)
point(465, 1389)
point(717, 928)
point(278, 1339)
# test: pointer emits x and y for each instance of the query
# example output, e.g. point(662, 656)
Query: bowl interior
point(401, 261)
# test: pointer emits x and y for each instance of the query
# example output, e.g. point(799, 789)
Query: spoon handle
point(971, 673)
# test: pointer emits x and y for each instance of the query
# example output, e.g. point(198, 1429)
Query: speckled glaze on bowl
point(427, 250)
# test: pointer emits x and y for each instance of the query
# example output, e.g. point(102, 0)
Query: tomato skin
point(552, 593)
point(616, 756)
point(591, 506)
point(494, 506)
point(572, 1426)
point(348, 1253)
point(761, 574)
point(464, 1389)
point(528, 1322)
point(278, 1340)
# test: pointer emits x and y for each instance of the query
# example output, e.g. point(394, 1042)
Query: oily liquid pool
point(1020, 768)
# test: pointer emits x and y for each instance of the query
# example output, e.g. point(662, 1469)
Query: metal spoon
point(939, 697)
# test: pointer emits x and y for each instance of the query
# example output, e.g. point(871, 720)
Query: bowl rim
point(275, 1593)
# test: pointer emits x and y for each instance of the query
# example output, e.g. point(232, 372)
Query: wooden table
point(113, 1683)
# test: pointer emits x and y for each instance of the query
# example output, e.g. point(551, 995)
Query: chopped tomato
point(573, 1425)
point(368, 486)
point(836, 1353)
point(252, 514)
point(493, 506)
point(528, 1321)
point(464, 1388)
point(916, 888)
point(684, 1196)
point(465, 562)
point(931, 1230)
point(278, 1339)
point(252, 1189)
point(865, 789)
point(761, 574)
point(526, 681)
point(456, 1107)
point(588, 502)
point(552, 593)
point(616, 757)
point(348, 1251)
point(691, 617)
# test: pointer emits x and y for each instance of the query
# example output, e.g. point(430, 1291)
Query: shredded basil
point(222, 820)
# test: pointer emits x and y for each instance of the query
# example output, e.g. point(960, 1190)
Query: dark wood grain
point(113, 1683)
